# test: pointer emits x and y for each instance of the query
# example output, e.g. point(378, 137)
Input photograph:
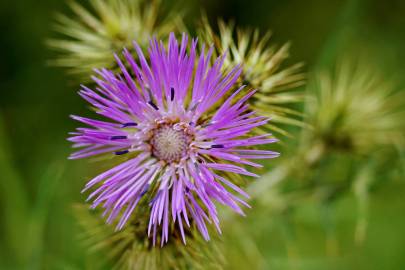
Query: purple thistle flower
point(181, 129)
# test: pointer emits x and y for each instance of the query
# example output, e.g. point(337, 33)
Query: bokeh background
point(38, 185)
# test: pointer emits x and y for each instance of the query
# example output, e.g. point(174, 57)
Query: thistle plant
point(356, 117)
point(178, 146)
point(90, 37)
point(262, 69)
point(355, 110)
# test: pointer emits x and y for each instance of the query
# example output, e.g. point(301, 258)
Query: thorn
point(144, 190)
point(121, 152)
point(118, 137)
point(153, 105)
point(217, 146)
point(131, 124)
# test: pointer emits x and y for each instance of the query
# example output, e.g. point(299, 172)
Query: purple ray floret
point(181, 129)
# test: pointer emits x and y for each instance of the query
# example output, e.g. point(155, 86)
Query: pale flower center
point(169, 144)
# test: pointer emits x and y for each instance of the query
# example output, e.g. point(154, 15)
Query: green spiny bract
point(262, 65)
point(90, 37)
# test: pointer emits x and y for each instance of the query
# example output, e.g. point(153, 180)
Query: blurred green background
point(39, 185)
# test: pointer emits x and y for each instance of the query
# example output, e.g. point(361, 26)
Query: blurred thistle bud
point(355, 110)
point(130, 248)
point(356, 118)
point(263, 70)
point(91, 37)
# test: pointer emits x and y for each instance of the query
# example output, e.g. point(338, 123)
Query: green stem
point(14, 202)
point(39, 215)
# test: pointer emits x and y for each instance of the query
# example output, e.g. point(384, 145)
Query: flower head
point(262, 69)
point(91, 38)
point(180, 144)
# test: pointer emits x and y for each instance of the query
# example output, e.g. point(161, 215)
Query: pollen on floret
point(170, 144)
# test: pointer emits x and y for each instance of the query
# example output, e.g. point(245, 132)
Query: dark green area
point(38, 185)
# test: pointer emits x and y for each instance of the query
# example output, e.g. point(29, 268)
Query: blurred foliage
point(344, 211)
